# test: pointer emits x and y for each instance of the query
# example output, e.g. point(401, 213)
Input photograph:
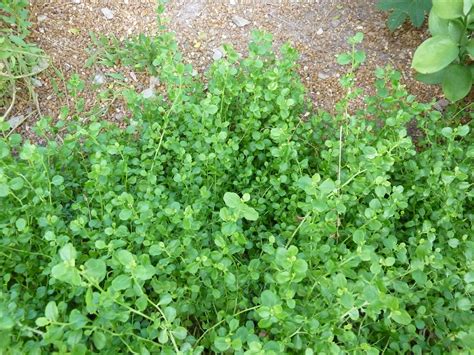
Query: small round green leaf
point(125, 214)
point(457, 82)
point(434, 54)
point(121, 282)
point(4, 190)
point(99, 340)
point(249, 213)
point(16, 184)
point(42, 321)
point(464, 304)
point(125, 257)
point(20, 224)
point(221, 344)
point(448, 9)
point(68, 252)
point(344, 59)
point(6, 323)
point(180, 333)
point(327, 186)
point(145, 272)
point(359, 236)
point(269, 299)
point(232, 200)
point(401, 317)
point(95, 269)
point(57, 180)
point(51, 312)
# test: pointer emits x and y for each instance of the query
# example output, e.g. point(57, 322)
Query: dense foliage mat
point(229, 217)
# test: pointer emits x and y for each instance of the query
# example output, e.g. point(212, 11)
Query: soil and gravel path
point(318, 29)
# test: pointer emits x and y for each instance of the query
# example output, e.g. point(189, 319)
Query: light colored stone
point(217, 54)
point(99, 79)
point(108, 14)
point(36, 83)
point(320, 31)
point(323, 76)
point(148, 93)
point(42, 18)
point(15, 121)
point(240, 21)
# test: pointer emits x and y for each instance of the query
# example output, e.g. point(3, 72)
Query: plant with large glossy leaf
point(447, 57)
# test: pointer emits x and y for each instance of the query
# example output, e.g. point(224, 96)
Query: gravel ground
point(318, 29)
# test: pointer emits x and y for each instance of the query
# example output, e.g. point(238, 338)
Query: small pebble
point(108, 14)
point(42, 18)
point(323, 76)
point(15, 121)
point(148, 93)
point(240, 21)
point(320, 32)
point(217, 54)
point(36, 83)
point(99, 79)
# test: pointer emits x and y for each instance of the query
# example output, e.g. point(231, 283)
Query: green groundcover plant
point(228, 217)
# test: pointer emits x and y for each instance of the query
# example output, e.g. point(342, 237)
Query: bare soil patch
point(318, 29)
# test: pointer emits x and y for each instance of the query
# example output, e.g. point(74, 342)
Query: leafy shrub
point(19, 60)
point(446, 58)
point(228, 217)
point(401, 10)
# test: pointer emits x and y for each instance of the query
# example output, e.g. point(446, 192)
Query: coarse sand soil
point(318, 29)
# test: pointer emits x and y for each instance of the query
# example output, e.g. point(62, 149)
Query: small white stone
point(240, 21)
point(36, 83)
point(42, 18)
point(217, 54)
point(148, 93)
point(323, 76)
point(15, 121)
point(320, 31)
point(76, 1)
point(108, 14)
point(99, 79)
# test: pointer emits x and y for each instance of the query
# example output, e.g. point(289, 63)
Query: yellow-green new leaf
point(448, 9)
point(434, 54)
point(437, 25)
